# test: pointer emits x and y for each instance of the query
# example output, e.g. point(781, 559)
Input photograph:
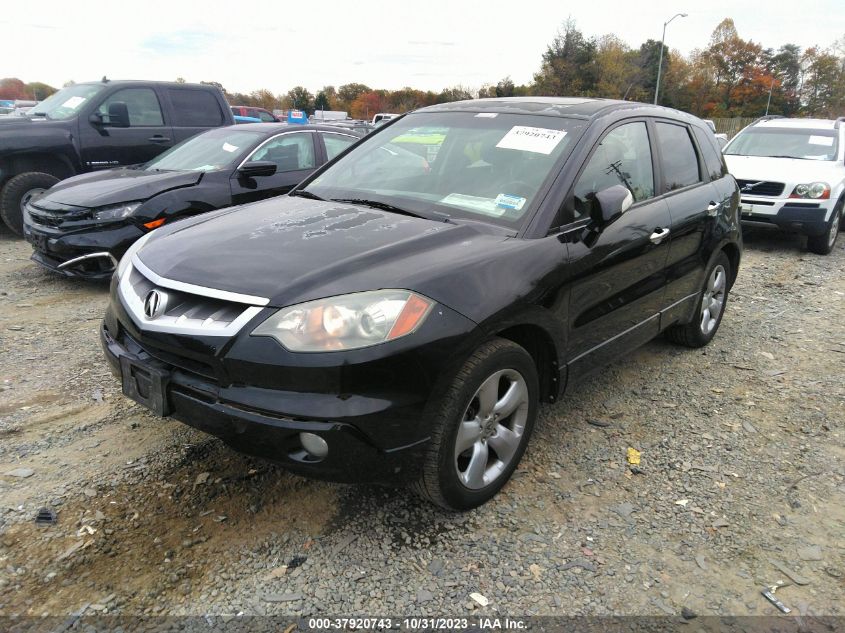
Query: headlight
point(348, 321)
point(814, 190)
point(127, 256)
point(116, 211)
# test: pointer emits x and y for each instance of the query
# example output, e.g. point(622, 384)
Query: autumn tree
point(13, 88)
point(568, 65)
point(301, 99)
point(347, 93)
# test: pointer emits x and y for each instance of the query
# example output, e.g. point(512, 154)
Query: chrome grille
point(183, 312)
point(760, 188)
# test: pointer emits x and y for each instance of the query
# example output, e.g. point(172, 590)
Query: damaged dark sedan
point(83, 225)
point(400, 320)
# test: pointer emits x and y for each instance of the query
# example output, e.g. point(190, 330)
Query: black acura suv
point(401, 320)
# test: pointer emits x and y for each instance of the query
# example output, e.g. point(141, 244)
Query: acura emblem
point(155, 304)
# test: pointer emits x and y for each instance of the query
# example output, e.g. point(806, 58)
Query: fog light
point(314, 445)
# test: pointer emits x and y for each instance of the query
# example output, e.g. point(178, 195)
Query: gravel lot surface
point(741, 482)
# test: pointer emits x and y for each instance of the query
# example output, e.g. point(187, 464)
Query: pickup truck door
point(295, 155)
point(105, 145)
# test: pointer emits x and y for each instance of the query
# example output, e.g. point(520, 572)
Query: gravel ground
point(741, 482)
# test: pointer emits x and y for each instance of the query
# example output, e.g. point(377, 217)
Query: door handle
point(158, 138)
point(659, 235)
point(713, 208)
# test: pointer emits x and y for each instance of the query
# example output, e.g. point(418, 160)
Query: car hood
point(290, 250)
point(114, 186)
point(791, 171)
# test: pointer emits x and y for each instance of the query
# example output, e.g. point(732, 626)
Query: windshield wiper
point(301, 193)
point(785, 156)
point(383, 206)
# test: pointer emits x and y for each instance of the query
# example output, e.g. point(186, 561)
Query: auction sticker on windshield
point(73, 102)
point(539, 140)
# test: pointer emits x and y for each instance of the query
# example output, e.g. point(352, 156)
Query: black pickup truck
point(98, 125)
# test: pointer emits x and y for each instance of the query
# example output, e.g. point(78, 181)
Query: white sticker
point(73, 102)
point(229, 148)
point(539, 140)
point(827, 141)
point(486, 206)
point(508, 201)
point(486, 115)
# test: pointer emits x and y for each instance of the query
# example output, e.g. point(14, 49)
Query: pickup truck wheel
point(711, 306)
point(481, 427)
point(17, 192)
point(823, 244)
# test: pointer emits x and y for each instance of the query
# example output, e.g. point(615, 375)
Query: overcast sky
point(427, 44)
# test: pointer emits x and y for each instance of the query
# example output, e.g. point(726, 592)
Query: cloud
point(183, 42)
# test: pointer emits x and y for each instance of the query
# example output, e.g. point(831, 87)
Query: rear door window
point(679, 160)
point(336, 143)
point(712, 157)
point(195, 108)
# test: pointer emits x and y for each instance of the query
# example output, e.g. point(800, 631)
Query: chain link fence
point(733, 125)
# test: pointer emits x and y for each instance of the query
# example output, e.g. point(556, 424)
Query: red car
point(257, 113)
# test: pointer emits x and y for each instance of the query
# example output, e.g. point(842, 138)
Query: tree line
point(731, 77)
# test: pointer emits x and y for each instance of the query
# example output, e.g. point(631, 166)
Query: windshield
point(66, 102)
point(486, 166)
point(208, 151)
point(804, 143)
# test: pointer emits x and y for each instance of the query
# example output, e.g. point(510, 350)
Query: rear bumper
point(248, 427)
point(53, 247)
point(805, 217)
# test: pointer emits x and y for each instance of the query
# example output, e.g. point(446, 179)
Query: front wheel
point(823, 244)
point(711, 306)
point(481, 427)
point(18, 192)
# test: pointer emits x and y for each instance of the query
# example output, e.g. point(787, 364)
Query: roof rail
point(768, 117)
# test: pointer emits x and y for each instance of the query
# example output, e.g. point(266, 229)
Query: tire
point(460, 480)
point(17, 192)
point(714, 296)
point(823, 244)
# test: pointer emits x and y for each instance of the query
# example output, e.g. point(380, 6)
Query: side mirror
point(610, 203)
point(118, 114)
point(257, 168)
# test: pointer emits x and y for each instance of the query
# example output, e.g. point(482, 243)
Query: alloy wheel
point(713, 300)
point(834, 229)
point(491, 429)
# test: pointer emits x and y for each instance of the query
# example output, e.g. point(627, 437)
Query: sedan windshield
point(66, 102)
point(785, 143)
point(449, 165)
point(215, 149)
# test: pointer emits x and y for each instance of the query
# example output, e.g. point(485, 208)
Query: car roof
point(130, 82)
point(569, 107)
point(817, 124)
point(271, 128)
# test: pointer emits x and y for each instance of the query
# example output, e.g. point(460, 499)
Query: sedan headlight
point(814, 190)
point(123, 264)
point(116, 211)
point(347, 321)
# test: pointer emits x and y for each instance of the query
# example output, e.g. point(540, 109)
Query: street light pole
point(660, 63)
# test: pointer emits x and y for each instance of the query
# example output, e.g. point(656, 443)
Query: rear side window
point(680, 162)
point(195, 108)
point(336, 143)
point(712, 157)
